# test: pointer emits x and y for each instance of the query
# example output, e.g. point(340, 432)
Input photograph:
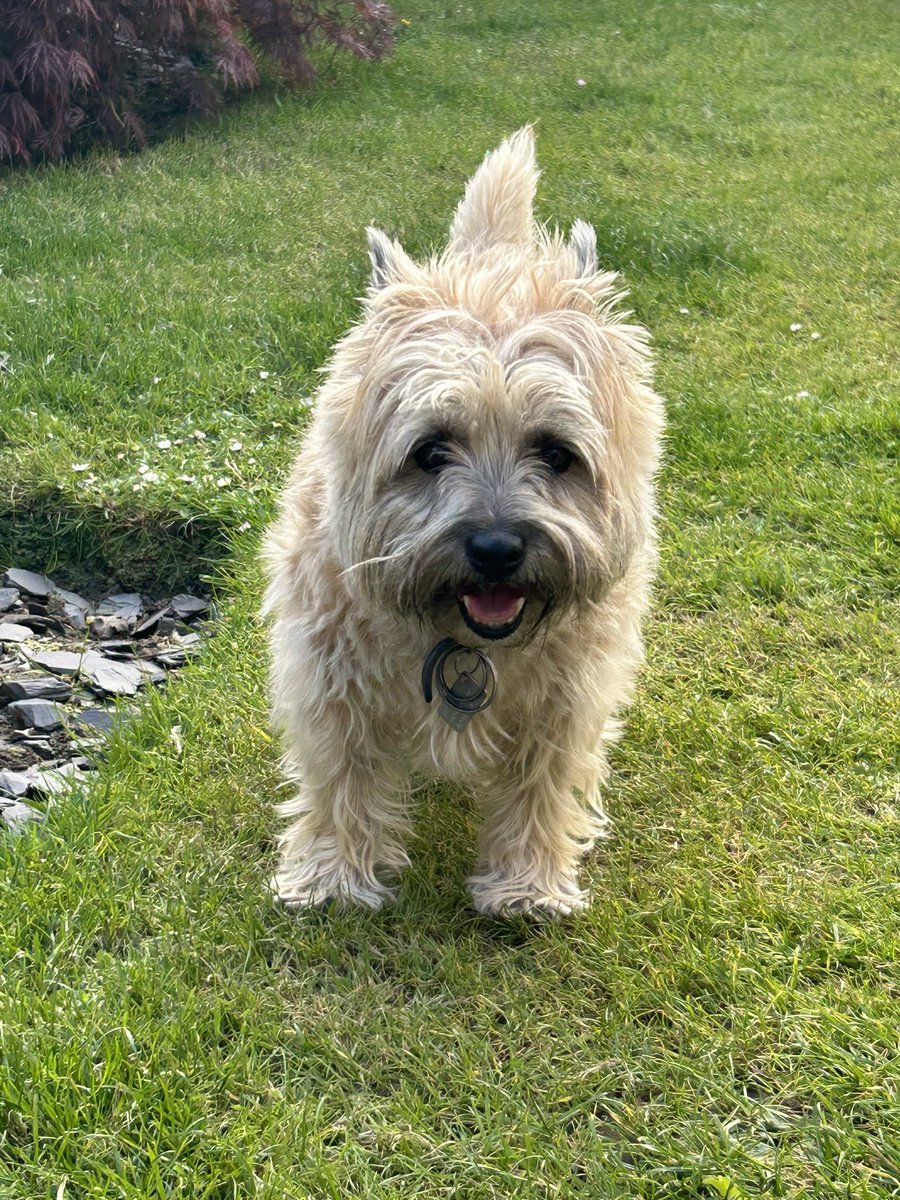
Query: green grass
point(724, 1021)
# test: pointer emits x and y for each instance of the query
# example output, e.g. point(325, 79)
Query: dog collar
point(471, 691)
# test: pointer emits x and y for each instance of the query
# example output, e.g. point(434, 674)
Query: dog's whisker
point(368, 562)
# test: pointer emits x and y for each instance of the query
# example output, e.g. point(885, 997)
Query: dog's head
point(490, 431)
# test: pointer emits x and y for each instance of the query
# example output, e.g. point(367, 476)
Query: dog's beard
point(425, 577)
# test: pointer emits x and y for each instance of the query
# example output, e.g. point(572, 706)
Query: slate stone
point(184, 606)
point(14, 633)
point(13, 783)
point(171, 658)
point(60, 662)
point(18, 815)
point(114, 678)
point(74, 598)
point(40, 687)
point(124, 604)
point(73, 616)
point(108, 627)
point(71, 607)
point(149, 624)
point(43, 715)
point(29, 582)
point(40, 622)
point(101, 719)
point(151, 672)
point(8, 597)
point(50, 781)
point(118, 651)
point(188, 641)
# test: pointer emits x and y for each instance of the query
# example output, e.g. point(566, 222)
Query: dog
point(470, 522)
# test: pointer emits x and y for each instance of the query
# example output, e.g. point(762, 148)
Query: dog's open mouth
point(492, 612)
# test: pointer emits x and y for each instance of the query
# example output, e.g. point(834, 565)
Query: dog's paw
point(506, 899)
point(343, 888)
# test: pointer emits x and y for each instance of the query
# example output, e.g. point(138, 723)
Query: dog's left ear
point(388, 258)
point(583, 240)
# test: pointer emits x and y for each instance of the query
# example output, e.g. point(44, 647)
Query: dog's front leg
point(348, 820)
point(535, 832)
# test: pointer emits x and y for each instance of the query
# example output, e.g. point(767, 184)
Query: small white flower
point(81, 467)
point(178, 442)
point(137, 487)
point(199, 435)
point(802, 395)
point(243, 527)
point(163, 444)
point(580, 82)
point(684, 311)
point(264, 374)
point(251, 462)
point(223, 481)
point(815, 336)
point(120, 455)
point(143, 469)
point(796, 327)
point(188, 478)
point(235, 445)
point(150, 477)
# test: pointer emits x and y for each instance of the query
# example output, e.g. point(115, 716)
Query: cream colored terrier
point(463, 556)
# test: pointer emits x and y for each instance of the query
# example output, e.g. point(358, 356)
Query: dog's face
point(490, 436)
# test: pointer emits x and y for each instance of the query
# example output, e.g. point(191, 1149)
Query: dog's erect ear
point(497, 206)
point(388, 258)
point(583, 240)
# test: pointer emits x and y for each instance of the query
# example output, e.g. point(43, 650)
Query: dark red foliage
point(73, 71)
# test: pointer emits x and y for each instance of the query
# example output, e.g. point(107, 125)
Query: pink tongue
point(499, 605)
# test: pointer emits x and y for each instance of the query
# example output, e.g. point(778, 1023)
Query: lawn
point(725, 1020)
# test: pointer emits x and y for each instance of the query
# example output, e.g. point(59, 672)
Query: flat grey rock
point(10, 632)
point(8, 597)
point(40, 622)
point(171, 658)
point(18, 815)
point(151, 672)
point(114, 678)
point(74, 598)
point(184, 606)
point(51, 781)
point(127, 605)
point(40, 687)
point(42, 715)
point(29, 582)
point(41, 748)
point(149, 624)
point(13, 783)
point(73, 616)
point(101, 719)
point(60, 662)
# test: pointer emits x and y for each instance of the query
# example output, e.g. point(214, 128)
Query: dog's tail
point(497, 208)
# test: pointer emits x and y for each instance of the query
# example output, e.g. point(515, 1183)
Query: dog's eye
point(432, 457)
point(557, 458)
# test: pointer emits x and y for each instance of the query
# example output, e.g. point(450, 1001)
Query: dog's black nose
point(495, 553)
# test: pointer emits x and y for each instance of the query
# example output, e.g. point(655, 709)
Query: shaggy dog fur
point(480, 466)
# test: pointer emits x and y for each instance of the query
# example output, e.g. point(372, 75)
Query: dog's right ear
point(388, 259)
point(583, 241)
